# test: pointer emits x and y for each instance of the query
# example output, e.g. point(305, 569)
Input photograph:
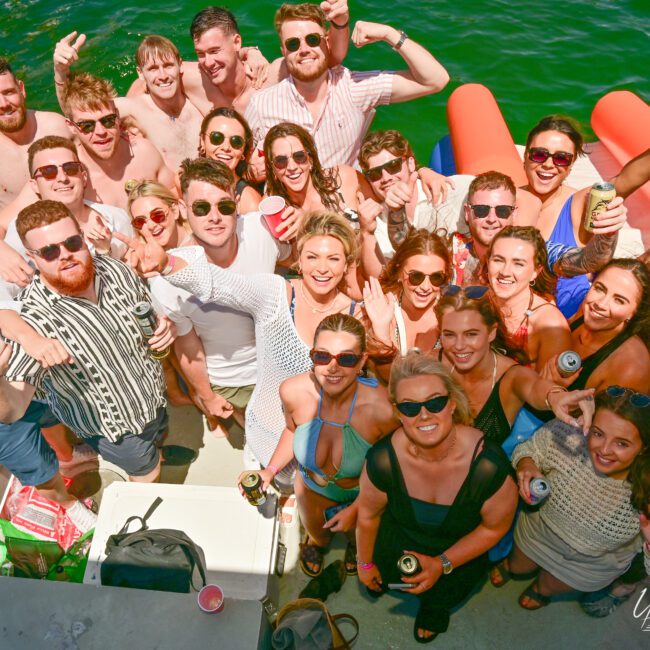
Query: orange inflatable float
point(479, 135)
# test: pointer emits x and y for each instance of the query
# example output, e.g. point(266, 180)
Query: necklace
point(414, 451)
point(317, 310)
point(494, 370)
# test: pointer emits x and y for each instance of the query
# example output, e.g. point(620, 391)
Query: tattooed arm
point(398, 227)
point(591, 258)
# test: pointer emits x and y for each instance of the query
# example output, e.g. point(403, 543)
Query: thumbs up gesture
point(400, 193)
point(66, 52)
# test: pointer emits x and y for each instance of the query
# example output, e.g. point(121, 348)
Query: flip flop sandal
point(536, 599)
point(312, 554)
point(422, 623)
point(329, 582)
point(504, 574)
point(350, 559)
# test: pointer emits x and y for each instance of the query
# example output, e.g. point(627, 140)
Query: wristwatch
point(447, 566)
point(400, 42)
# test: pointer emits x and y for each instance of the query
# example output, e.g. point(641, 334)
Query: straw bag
point(306, 624)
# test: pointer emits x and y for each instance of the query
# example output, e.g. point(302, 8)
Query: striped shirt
point(345, 116)
point(113, 387)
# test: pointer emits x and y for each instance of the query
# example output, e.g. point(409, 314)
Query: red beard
point(72, 283)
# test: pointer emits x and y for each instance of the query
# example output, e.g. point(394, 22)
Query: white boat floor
point(489, 620)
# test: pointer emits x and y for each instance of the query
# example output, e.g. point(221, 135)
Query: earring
point(532, 282)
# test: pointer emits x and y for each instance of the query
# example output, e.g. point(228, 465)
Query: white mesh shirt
point(281, 353)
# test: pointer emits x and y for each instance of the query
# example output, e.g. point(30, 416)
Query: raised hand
point(98, 233)
point(380, 309)
point(147, 258)
point(257, 67)
point(563, 403)
point(66, 52)
point(612, 219)
point(435, 185)
point(336, 9)
point(366, 32)
point(400, 193)
point(368, 212)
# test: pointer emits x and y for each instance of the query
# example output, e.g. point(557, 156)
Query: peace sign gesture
point(147, 258)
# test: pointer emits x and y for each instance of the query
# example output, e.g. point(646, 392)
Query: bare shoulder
point(348, 174)
point(628, 366)
point(528, 208)
point(293, 390)
point(142, 147)
point(191, 74)
point(49, 123)
point(546, 315)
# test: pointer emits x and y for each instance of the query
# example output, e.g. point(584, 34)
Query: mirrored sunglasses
point(638, 400)
point(157, 215)
point(473, 292)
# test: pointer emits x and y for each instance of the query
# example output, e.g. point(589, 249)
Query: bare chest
point(13, 170)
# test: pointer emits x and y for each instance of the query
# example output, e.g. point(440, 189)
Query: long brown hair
point(327, 182)
point(545, 282)
point(417, 242)
point(232, 114)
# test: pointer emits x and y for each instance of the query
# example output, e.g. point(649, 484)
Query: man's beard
point(14, 123)
point(296, 73)
point(72, 284)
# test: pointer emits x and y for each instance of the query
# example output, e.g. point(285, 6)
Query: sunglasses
point(50, 172)
point(502, 211)
point(201, 207)
point(344, 359)
point(299, 157)
point(437, 279)
point(473, 292)
point(293, 44)
point(541, 155)
point(88, 126)
point(52, 251)
point(157, 215)
point(392, 167)
point(217, 138)
point(433, 405)
point(638, 400)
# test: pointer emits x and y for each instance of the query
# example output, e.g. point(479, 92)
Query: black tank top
point(491, 419)
point(592, 362)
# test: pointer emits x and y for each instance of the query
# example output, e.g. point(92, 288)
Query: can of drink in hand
point(539, 489)
point(408, 565)
point(600, 196)
point(252, 485)
point(146, 317)
point(568, 363)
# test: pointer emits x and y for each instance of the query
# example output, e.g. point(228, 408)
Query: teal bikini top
point(306, 436)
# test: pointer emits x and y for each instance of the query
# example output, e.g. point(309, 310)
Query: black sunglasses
point(50, 172)
point(433, 405)
point(293, 44)
point(473, 292)
point(541, 155)
point(299, 157)
point(88, 126)
point(437, 279)
point(392, 167)
point(638, 400)
point(52, 251)
point(344, 359)
point(502, 211)
point(217, 138)
point(201, 207)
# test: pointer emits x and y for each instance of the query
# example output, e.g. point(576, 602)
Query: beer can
point(408, 565)
point(539, 490)
point(252, 485)
point(599, 198)
point(146, 317)
point(568, 363)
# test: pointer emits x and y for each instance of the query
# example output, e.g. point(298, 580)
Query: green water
point(537, 58)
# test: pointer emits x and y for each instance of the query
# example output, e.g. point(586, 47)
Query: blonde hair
point(86, 92)
point(157, 48)
point(151, 188)
point(328, 224)
point(416, 364)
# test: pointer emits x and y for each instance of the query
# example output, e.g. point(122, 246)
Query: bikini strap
point(478, 444)
point(353, 306)
point(354, 401)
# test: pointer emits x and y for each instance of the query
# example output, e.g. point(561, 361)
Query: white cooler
point(239, 541)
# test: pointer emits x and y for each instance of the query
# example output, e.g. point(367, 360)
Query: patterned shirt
point(113, 387)
point(345, 116)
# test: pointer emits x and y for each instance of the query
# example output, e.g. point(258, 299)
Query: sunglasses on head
point(202, 207)
point(433, 405)
point(52, 251)
point(541, 155)
point(293, 44)
point(157, 215)
point(50, 172)
point(437, 279)
point(502, 211)
point(392, 167)
point(217, 138)
point(299, 157)
point(473, 292)
point(88, 126)
point(344, 359)
point(638, 400)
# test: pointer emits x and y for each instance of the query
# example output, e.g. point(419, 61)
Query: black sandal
point(502, 571)
point(350, 559)
point(422, 623)
point(538, 600)
point(312, 554)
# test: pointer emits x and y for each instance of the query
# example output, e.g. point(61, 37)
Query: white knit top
point(589, 511)
point(281, 353)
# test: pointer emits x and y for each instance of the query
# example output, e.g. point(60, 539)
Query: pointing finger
point(79, 42)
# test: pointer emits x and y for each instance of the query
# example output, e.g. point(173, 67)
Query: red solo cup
point(272, 208)
point(210, 599)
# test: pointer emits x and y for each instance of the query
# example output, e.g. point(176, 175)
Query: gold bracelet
point(554, 389)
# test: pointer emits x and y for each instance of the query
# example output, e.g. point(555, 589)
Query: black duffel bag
point(160, 559)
